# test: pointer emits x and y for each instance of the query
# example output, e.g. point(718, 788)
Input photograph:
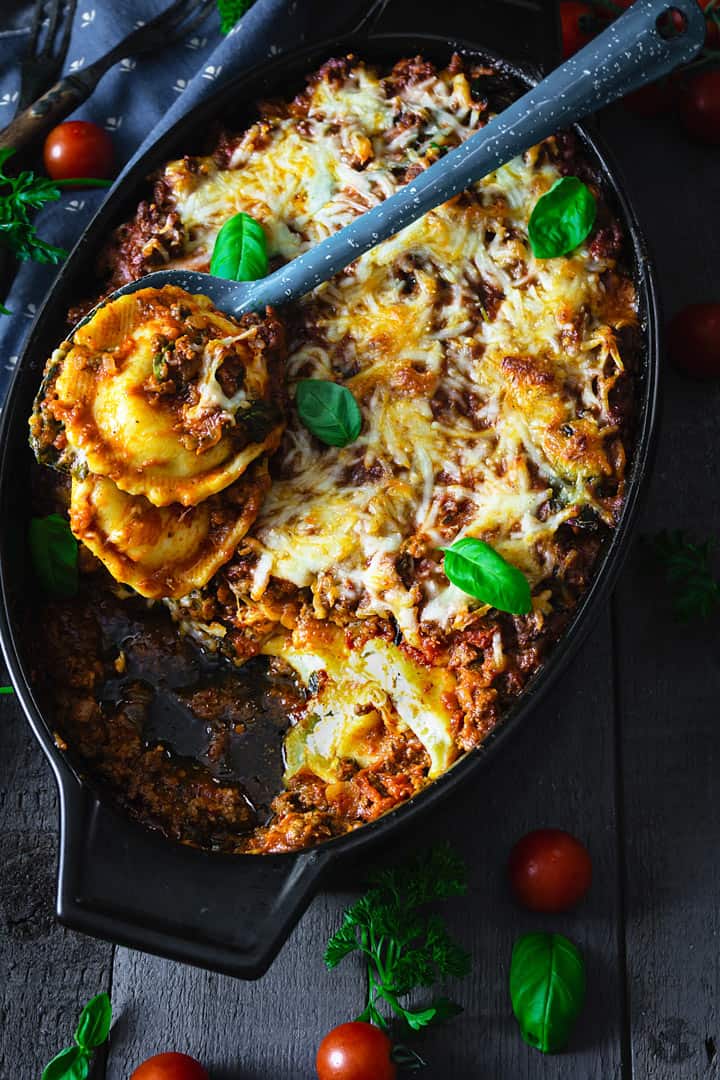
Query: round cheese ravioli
point(163, 395)
point(170, 550)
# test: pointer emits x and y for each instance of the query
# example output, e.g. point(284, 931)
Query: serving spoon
point(648, 41)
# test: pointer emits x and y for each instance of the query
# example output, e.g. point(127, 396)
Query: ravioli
point(163, 395)
point(164, 551)
point(357, 697)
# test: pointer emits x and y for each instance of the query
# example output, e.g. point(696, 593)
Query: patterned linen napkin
point(140, 98)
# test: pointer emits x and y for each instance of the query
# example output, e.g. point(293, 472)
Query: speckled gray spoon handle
point(629, 53)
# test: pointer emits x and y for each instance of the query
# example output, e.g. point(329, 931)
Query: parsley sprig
point(20, 197)
point(689, 572)
point(405, 946)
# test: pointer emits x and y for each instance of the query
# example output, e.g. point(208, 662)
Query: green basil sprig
point(562, 218)
point(328, 410)
point(240, 251)
point(54, 552)
point(93, 1029)
point(477, 569)
point(547, 989)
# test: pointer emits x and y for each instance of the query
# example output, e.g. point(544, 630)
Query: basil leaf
point(562, 218)
point(328, 410)
point(240, 251)
point(54, 552)
point(477, 569)
point(94, 1023)
point(547, 989)
point(70, 1064)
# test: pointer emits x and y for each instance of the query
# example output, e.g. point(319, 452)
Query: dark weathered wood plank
point(46, 973)
point(558, 772)
point(670, 674)
point(256, 1030)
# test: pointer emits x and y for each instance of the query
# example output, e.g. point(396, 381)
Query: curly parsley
point(405, 946)
point(689, 572)
point(20, 197)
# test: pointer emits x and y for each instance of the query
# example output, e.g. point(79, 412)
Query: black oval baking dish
point(118, 879)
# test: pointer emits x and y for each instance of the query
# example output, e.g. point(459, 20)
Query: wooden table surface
point(625, 753)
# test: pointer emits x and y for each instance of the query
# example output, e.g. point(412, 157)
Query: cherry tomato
point(549, 870)
point(355, 1051)
point(694, 340)
point(700, 106)
point(577, 21)
point(78, 148)
point(651, 100)
point(170, 1067)
point(657, 98)
point(712, 34)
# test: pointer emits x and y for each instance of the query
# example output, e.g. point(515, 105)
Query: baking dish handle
point(121, 881)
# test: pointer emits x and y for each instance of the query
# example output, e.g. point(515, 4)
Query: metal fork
point(178, 20)
point(42, 64)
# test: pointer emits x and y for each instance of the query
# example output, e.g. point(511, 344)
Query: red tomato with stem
point(712, 23)
point(712, 34)
point(700, 106)
point(694, 340)
point(355, 1051)
point(578, 23)
point(170, 1067)
point(651, 100)
point(657, 98)
point(78, 148)
point(549, 870)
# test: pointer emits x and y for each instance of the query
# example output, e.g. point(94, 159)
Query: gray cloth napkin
point(139, 99)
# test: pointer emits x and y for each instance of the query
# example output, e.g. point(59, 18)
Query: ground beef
point(153, 236)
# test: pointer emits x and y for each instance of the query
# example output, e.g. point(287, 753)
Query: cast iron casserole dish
point(118, 879)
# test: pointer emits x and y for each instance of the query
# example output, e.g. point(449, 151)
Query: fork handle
point(56, 103)
point(37, 119)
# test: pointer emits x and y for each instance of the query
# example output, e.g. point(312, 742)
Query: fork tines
point(43, 60)
point(51, 10)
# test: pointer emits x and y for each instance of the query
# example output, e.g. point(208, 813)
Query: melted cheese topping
point(485, 381)
point(138, 396)
point(482, 373)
